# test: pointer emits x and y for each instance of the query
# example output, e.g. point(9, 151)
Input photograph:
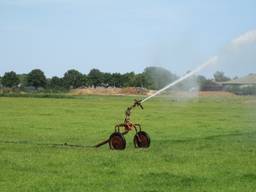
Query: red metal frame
point(127, 125)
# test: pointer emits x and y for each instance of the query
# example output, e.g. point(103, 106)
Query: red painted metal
point(127, 125)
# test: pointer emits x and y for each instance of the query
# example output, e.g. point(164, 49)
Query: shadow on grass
point(162, 141)
point(212, 137)
point(45, 144)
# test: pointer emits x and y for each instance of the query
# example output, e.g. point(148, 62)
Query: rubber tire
point(117, 141)
point(145, 140)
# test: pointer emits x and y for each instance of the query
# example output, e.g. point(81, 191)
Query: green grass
point(205, 144)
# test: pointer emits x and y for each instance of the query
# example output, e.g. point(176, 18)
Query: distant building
point(249, 80)
point(242, 86)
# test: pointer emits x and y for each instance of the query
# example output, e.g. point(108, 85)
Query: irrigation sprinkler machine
point(117, 140)
point(141, 138)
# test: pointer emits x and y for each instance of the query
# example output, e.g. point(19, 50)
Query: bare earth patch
point(110, 91)
point(140, 91)
point(215, 93)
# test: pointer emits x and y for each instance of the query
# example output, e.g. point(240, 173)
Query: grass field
point(205, 144)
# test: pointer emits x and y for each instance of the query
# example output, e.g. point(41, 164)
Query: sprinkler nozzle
point(138, 103)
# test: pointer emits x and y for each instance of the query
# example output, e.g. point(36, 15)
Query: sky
point(124, 36)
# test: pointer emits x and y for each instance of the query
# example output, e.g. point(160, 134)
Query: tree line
point(151, 78)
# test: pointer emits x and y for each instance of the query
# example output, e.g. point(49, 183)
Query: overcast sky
point(124, 36)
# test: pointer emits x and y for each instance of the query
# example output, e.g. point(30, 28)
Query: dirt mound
point(134, 91)
point(139, 91)
point(215, 93)
point(109, 91)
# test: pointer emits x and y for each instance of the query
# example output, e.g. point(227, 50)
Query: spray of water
point(212, 60)
point(243, 40)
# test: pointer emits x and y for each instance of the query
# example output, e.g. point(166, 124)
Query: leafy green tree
point(208, 84)
point(107, 79)
point(202, 81)
point(96, 77)
point(23, 79)
point(85, 80)
point(10, 79)
point(36, 78)
point(73, 79)
point(128, 79)
point(220, 77)
point(116, 80)
point(157, 77)
point(140, 80)
point(56, 83)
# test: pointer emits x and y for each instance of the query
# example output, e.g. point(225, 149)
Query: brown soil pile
point(109, 91)
point(215, 93)
point(139, 91)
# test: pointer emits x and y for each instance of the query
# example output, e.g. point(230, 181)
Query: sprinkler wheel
point(117, 141)
point(141, 140)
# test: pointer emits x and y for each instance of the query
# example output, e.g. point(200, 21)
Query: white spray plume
point(244, 39)
point(212, 60)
